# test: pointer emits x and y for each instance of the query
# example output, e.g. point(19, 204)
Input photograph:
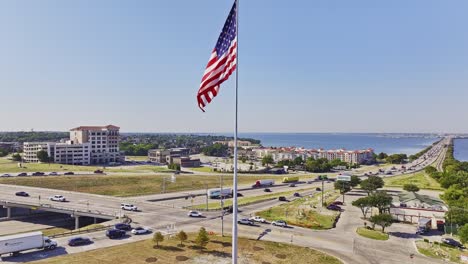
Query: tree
point(396, 158)
point(343, 186)
point(381, 200)
point(382, 155)
point(174, 166)
point(430, 170)
point(382, 220)
point(411, 187)
point(202, 238)
point(42, 156)
point(216, 150)
point(364, 204)
point(463, 233)
point(371, 184)
point(182, 236)
point(157, 238)
point(298, 161)
point(16, 157)
point(243, 159)
point(267, 160)
point(355, 181)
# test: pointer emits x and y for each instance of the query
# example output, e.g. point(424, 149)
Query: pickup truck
point(257, 219)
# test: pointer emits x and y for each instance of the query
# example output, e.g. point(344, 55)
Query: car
point(366, 174)
point(194, 214)
point(297, 194)
point(266, 190)
point(333, 207)
point(24, 194)
point(58, 198)
point(257, 219)
point(123, 226)
point(98, 171)
point(38, 173)
point(452, 242)
point(245, 221)
point(141, 230)
point(230, 209)
point(282, 198)
point(53, 173)
point(115, 233)
point(22, 174)
point(240, 195)
point(6, 175)
point(318, 189)
point(337, 203)
point(310, 182)
point(128, 207)
point(280, 223)
point(69, 173)
point(292, 185)
point(76, 241)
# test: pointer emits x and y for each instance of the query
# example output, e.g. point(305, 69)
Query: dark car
point(297, 194)
point(115, 233)
point(76, 241)
point(334, 207)
point(38, 173)
point(69, 173)
point(98, 171)
point(240, 195)
point(267, 190)
point(292, 185)
point(282, 198)
point(318, 189)
point(452, 242)
point(25, 194)
point(337, 203)
point(123, 226)
point(22, 174)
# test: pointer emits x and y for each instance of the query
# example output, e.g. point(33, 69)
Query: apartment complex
point(87, 145)
point(164, 156)
point(231, 144)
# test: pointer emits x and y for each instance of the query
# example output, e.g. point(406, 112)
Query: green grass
point(421, 179)
point(439, 251)
point(127, 185)
point(203, 169)
point(372, 234)
point(217, 251)
point(7, 166)
point(303, 212)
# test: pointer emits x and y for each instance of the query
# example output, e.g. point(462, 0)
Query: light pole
point(222, 206)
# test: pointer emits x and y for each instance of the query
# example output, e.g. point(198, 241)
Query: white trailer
point(217, 194)
point(14, 244)
point(261, 183)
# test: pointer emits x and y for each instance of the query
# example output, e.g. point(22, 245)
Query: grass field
point(203, 169)
point(218, 250)
point(421, 179)
point(12, 166)
point(302, 212)
point(439, 251)
point(372, 234)
point(127, 185)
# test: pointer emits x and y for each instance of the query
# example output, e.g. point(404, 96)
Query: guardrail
point(81, 231)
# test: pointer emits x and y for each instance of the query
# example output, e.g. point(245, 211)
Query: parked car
point(245, 221)
point(337, 203)
point(77, 241)
point(310, 182)
point(297, 194)
point(69, 173)
point(282, 198)
point(115, 233)
point(318, 189)
point(334, 207)
point(128, 207)
point(195, 214)
point(22, 174)
point(257, 219)
point(53, 173)
point(292, 185)
point(452, 242)
point(58, 198)
point(141, 230)
point(25, 194)
point(123, 226)
point(266, 190)
point(280, 223)
point(38, 173)
point(98, 171)
point(6, 175)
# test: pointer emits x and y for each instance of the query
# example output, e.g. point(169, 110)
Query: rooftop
point(95, 128)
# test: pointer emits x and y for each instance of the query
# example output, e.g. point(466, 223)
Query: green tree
point(16, 157)
point(157, 238)
point(182, 236)
point(298, 161)
point(267, 160)
point(343, 186)
point(463, 233)
point(382, 156)
point(42, 156)
point(174, 166)
point(202, 238)
point(243, 159)
point(355, 181)
point(371, 184)
point(430, 170)
point(396, 158)
point(382, 220)
point(216, 150)
point(409, 187)
point(381, 200)
point(364, 204)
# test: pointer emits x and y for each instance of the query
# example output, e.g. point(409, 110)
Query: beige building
point(104, 142)
point(164, 156)
point(30, 150)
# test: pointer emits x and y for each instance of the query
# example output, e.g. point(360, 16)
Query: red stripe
point(220, 63)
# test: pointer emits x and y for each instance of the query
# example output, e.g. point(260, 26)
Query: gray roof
point(411, 196)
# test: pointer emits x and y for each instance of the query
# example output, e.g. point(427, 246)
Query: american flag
point(222, 62)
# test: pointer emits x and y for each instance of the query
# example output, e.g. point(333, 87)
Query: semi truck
point(14, 244)
point(290, 179)
point(262, 183)
point(217, 194)
point(424, 225)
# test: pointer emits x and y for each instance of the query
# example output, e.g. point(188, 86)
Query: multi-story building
point(30, 150)
point(164, 156)
point(76, 154)
point(104, 142)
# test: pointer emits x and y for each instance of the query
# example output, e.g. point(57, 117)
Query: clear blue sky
point(305, 66)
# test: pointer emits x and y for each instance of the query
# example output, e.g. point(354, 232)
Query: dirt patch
point(181, 258)
point(150, 260)
point(265, 262)
point(255, 248)
point(280, 256)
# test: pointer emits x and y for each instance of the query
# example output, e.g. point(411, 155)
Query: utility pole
point(206, 187)
point(343, 190)
point(222, 206)
point(323, 203)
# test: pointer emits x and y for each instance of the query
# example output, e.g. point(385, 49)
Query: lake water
point(460, 149)
point(388, 143)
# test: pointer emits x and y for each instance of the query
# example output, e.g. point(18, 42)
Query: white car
point(140, 230)
point(280, 223)
point(6, 175)
point(257, 219)
point(53, 173)
point(245, 221)
point(57, 198)
point(128, 207)
point(194, 214)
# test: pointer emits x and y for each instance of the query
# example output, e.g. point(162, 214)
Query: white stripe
point(214, 54)
point(220, 69)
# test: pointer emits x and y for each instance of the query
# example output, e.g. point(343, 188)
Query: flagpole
point(234, 202)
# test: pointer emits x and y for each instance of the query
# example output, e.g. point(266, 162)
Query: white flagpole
point(234, 198)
